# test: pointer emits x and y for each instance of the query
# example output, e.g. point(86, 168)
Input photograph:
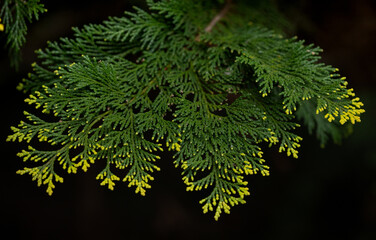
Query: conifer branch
point(222, 102)
point(15, 14)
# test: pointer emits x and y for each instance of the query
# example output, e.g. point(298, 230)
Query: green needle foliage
point(15, 14)
point(199, 78)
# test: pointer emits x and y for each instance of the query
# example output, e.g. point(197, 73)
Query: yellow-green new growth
point(1, 26)
point(159, 82)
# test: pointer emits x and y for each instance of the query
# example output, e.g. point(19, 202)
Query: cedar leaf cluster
point(15, 15)
point(164, 79)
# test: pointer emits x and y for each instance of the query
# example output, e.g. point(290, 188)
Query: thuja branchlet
point(202, 79)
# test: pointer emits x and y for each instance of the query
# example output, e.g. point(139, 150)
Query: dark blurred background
point(327, 192)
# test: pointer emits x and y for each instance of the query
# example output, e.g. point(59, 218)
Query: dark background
point(327, 192)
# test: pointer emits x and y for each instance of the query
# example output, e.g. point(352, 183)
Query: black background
point(327, 192)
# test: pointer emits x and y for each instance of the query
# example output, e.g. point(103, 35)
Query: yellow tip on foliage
point(1, 26)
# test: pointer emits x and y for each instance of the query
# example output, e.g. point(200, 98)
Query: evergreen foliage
point(199, 78)
point(15, 14)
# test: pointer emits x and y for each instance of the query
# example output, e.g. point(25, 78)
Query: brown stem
point(216, 19)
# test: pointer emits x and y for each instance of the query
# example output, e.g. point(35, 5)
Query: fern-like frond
point(152, 80)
